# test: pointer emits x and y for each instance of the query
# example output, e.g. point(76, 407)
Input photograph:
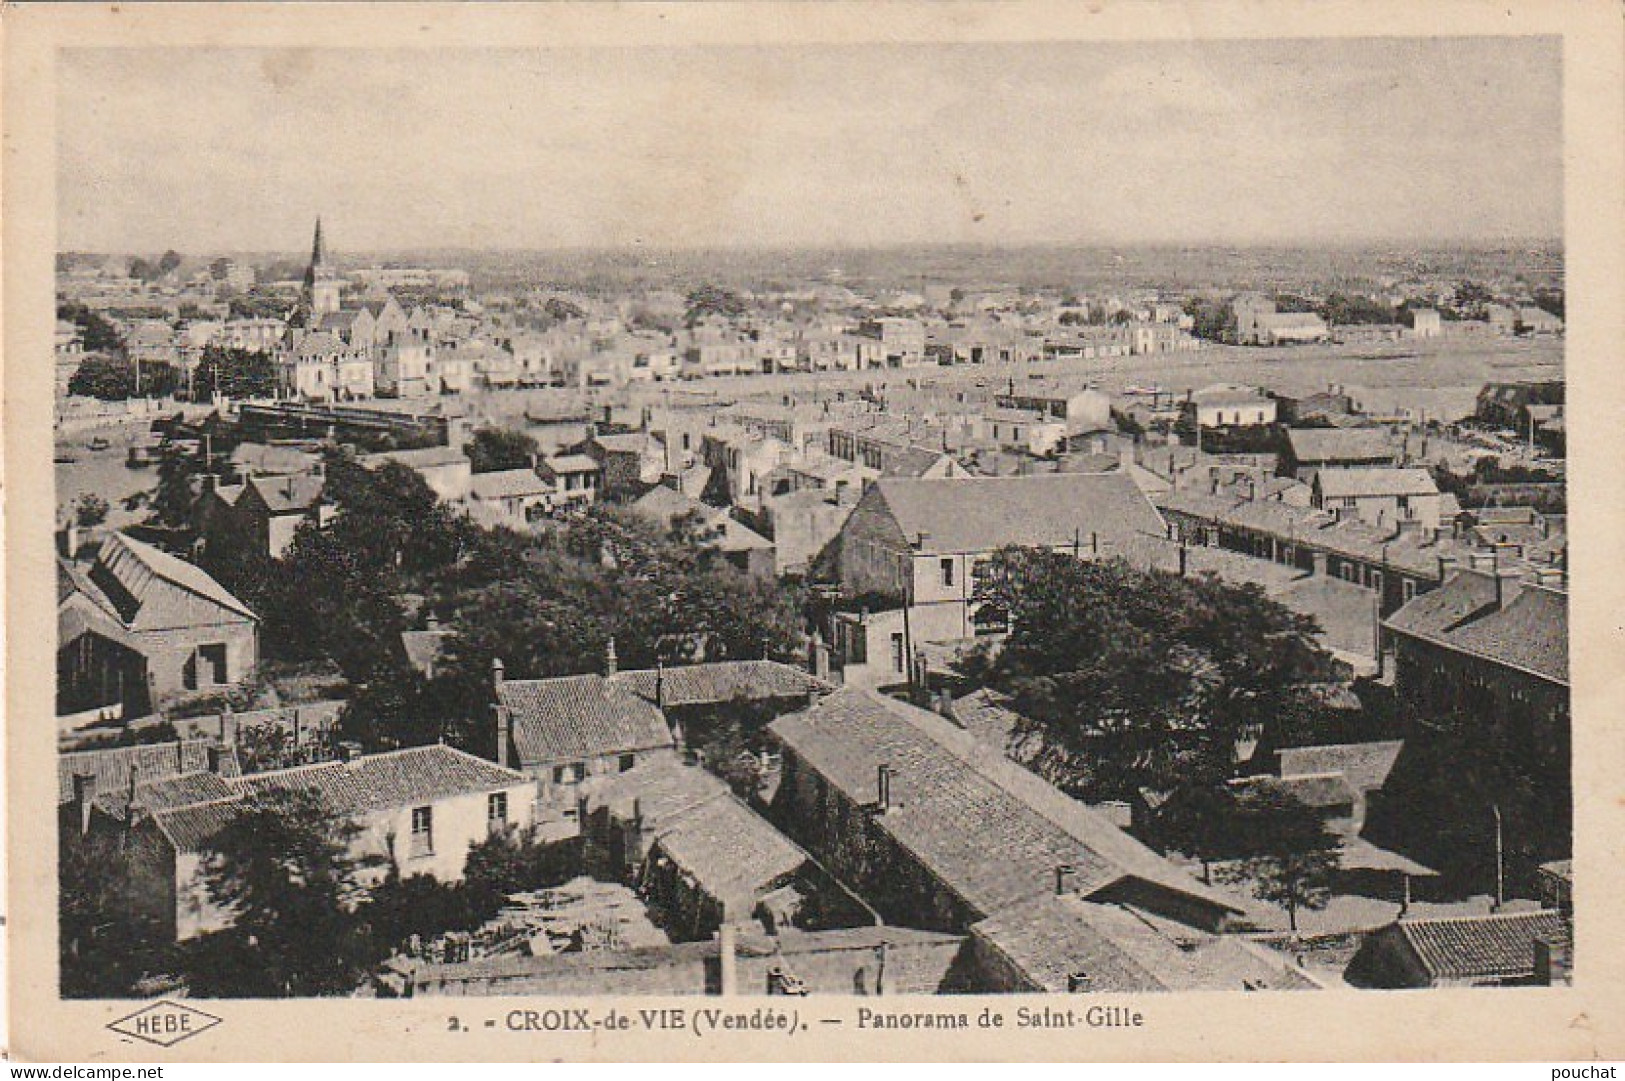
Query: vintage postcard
point(717, 531)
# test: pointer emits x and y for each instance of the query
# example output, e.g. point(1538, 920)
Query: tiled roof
point(508, 484)
point(661, 791)
point(1050, 940)
point(989, 830)
point(974, 514)
point(716, 682)
point(1476, 947)
point(987, 715)
point(912, 462)
point(732, 853)
point(392, 779)
point(1119, 949)
point(136, 564)
point(1379, 481)
point(420, 458)
point(294, 493)
point(1529, 631)
point(111, 766)
point(1365, 765)
point(570, 463)
point(379, 782)
point(572, 718)
point(423, 648)
point(182, 790)
point(1339, 444)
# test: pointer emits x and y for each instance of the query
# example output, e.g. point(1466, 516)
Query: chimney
point(883, 779)
point(84, 795)
point(1063, 874)
point(135, 779)
point(1446, 565)
point(1077, 983)
point(820, 657)
point(727, 939)
point(945, 704)
point(1554, 961)
point(228, 727)
point(1318, 559)
point(611, 664)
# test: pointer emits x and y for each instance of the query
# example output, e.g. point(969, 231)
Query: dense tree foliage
point(285, 868)
point(113, 378)
point(96, 334)
point(492, 449)
point(234, 373)
point(1215, 319)
point(112, 934)
point(1141, 678)
point(710, 301)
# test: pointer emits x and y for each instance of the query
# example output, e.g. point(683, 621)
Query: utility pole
point(1500, 860)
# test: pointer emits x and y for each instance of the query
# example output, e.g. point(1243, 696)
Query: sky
point(1268, 142)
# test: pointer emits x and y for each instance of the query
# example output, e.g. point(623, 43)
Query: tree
point(710, 301)
point(100, 375)
point(284, 868)
point(492, 449)
point(1214, 320)
point(1142, 678)
point(1289, 853)
point(112, 933)
point(168, 262)
point(89, 510)
point(234, 373)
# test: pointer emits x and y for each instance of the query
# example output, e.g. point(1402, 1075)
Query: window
point(569, 774)
point(496, 810)
point(948, 572)
point(422, 831)
point(1408, 587)
point(897, 652)
point(628, 761)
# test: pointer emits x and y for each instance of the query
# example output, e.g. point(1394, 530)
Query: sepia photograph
point(808, 519)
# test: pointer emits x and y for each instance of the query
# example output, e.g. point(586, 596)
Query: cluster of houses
point(901, 839)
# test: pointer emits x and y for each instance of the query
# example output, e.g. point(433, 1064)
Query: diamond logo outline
point(164, 1023)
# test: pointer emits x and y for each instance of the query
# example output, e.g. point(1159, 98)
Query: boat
point(99, 443)
point(141, 456)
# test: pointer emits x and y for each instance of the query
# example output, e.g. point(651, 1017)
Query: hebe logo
point(165, 1023)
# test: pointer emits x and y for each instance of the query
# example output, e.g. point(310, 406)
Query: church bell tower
point(321, 284)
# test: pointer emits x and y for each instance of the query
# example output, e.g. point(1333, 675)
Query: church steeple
point(321, 284)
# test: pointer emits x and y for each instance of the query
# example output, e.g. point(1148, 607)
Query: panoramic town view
point(824, 595)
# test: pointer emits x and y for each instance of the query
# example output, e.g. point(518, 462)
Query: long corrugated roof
point(135, 564)
point(988, 829)
point(572, 718)
point(973, 514)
